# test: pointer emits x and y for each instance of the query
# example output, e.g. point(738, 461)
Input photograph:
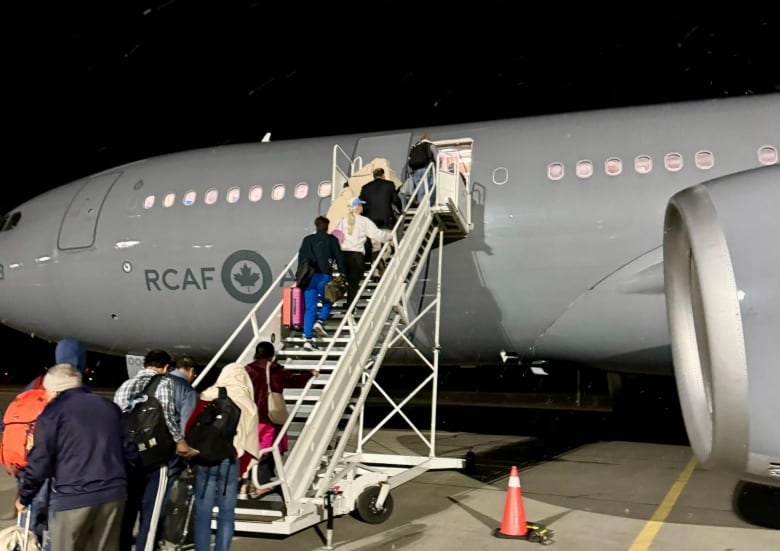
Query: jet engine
point(722, 280)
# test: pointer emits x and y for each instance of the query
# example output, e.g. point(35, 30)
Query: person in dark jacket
point(382, 204)
point(319, 248)
point(83, 446)
point(423, 154)
point(281, 378)
point(68, 351)
point(381, 200)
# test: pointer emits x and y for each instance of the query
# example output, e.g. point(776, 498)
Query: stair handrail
point(348, 354)
point(247, 319)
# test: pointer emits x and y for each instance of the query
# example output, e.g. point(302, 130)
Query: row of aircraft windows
point(643, 164)
point(233, 194)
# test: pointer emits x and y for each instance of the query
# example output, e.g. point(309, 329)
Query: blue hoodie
point(73, 352)
point(68, 351)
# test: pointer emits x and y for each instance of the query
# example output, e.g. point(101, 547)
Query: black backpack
point(213, 430)
point(146, 423)
point(420, 155)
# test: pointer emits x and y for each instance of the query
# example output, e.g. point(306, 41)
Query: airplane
point(632, 240)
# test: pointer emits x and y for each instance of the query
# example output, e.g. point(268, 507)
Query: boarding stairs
point(330, 468)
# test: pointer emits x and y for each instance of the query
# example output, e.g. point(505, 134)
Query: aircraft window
point(673, 162)
point(10, 222)
point(584, 169)
point(211, 196)
point(324, 188)
point(613, 166)
point(555, 171)
point(277, 194)
point(301, 190)
point(169, 199)
point(643, 164)
point(149, 201)
point(704, 160)
point(500, 176)
point(255, 193)
point(233, 195)
point(189, 198)
point(767, 155)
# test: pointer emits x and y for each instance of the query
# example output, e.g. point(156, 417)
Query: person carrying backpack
point(82, 447)
point(422, 154)
point(149, 479)
point(226, 452)
point(19, 421)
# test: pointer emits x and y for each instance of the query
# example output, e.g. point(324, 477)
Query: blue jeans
point(417, 175)
point(216, 485)
point(315, 290)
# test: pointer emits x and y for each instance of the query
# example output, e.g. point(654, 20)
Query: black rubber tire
point(366, 510)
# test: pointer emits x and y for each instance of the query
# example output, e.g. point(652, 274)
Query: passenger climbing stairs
point(331, 468)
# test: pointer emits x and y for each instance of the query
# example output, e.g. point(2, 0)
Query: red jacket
point(280, 379)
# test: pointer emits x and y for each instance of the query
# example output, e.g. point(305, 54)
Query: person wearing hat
point(357, 231)
point(68, 351)
point(83, 447)
point(320, 249)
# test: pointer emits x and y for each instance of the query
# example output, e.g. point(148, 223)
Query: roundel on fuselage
point(246, 276)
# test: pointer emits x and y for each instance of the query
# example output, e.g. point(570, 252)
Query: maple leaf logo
point(246, 277)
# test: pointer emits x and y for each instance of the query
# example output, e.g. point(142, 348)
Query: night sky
point(92, 85)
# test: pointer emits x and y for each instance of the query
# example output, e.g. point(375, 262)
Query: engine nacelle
point(722, 279)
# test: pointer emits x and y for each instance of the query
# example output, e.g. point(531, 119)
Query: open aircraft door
point(79, 224)
point(393, 147)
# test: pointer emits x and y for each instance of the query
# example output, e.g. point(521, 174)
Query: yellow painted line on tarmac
point(652, 526)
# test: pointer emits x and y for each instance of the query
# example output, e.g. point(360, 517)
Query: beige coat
point(236, 381)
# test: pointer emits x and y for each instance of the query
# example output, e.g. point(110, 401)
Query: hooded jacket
point(73, 352)
point(68, 351)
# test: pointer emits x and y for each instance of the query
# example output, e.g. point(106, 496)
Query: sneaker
point(319, 329)
point(308, 344)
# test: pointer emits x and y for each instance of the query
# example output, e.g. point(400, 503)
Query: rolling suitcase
point(19, 537)
point(177, 533)
point(292, 308)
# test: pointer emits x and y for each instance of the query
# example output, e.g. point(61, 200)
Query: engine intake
point(722, 279)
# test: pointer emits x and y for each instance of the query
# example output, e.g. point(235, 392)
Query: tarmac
point(603, 496)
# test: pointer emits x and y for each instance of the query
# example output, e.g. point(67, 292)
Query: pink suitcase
point(292, 308)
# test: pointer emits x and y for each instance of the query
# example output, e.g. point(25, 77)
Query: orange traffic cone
point(513, 524)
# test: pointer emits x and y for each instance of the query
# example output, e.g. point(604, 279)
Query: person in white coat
point(357, 229)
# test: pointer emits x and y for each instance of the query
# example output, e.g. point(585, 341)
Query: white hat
point(62, 377)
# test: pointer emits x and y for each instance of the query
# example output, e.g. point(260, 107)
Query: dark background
point(90, 85)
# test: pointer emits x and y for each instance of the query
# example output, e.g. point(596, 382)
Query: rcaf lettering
point(173, 280)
